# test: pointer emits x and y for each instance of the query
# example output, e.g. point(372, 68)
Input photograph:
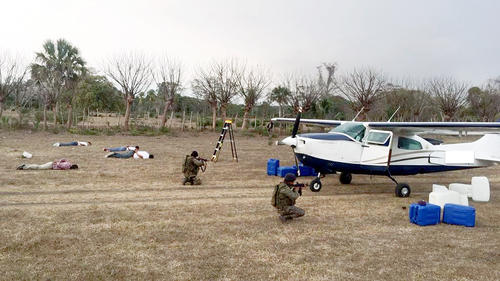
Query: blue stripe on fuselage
point(330, 167)
point(326, 136)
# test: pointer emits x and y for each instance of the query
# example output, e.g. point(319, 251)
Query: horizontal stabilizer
point(459, 157)
point(488, 148)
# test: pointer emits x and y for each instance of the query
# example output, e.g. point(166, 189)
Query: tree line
point(59, 79)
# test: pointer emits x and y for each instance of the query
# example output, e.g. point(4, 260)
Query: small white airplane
point(390, 148)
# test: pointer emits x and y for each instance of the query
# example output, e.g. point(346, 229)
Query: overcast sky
point(403, 39)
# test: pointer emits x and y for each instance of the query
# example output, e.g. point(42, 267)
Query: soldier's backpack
point(185, 164)
point(274, 199)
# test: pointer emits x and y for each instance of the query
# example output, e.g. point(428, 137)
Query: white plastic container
point(464, 200)
point(27, 155)
point(438, 188)
point(442, 197)
point(480, 189)
point(462, 188)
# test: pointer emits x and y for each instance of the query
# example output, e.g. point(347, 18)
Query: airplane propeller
point(294, 133)
point(296, 124)
point(291, 140)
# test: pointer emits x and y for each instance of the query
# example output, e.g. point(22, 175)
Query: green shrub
point(5, 122)
point(36, 124)
point(262, 131)
point(85, 131)
point(248, 133)
point(39, 116)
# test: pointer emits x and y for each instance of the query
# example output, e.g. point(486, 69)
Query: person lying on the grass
point(124, 155)
point(62, 164)
point(131, 153)
point(120, 148)
point(141, 154)
point(73, 143)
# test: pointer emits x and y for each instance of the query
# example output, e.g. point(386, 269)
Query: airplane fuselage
point(392, 154)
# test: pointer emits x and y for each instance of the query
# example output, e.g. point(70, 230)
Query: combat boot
point(284, 219)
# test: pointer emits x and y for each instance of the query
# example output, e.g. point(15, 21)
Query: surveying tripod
point(225, 129)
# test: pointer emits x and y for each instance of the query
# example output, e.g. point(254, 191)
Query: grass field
point(133, 220)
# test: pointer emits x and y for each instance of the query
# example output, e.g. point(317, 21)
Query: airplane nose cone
point(288, 141)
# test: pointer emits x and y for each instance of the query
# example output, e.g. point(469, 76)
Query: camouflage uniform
point(192, 167)
point(285, 202)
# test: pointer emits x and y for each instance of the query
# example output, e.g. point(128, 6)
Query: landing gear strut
point(345, 178)
point(315, 185)
point(402, 188)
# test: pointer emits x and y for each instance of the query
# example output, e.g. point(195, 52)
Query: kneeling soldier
point(284, 199)
point(191, 167)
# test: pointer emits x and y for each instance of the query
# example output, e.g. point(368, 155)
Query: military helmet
point(194, 153)
point(290, 177)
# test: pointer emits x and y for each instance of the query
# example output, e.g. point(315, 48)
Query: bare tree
point(252, 87)
point(50, 87)
point(205, 87)
point(449, 94)
point(305, 92)
point(11, 77)
point(168, 79)
point(132, 73)
point(362, 88)
point(413, 102)
point(24, 95)
point(326, 85)
point(227, 75)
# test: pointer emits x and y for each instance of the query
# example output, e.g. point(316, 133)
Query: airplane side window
point(409, 144)
point(377, 137)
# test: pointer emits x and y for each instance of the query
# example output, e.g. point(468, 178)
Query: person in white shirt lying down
point(141, 154)
point(136, 153)
point(120, 148)
point(73, 143)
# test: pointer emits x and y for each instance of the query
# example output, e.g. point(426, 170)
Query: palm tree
point(58, 69)
point(281, 96)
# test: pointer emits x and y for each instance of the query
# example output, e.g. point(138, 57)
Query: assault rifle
point(204, 166)
point(300, 186)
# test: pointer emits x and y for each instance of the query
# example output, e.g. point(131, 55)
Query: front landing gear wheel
point(345, 178)
point(315, 185)
point(403, 190)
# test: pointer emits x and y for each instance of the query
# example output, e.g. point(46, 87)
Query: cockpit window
point(355, 131)
point(407, 143)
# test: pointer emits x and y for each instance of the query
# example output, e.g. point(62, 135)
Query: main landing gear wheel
point(315, 185)
point(345, 178)
point(403, 190)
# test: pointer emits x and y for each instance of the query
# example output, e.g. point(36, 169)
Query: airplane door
point(377, 148)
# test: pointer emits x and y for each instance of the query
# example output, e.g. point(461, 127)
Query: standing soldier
point(191, 167)
point(284, 197)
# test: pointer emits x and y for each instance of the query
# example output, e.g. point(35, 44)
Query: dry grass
point(131, 219)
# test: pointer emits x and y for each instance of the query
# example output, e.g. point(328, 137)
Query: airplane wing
point(317, 122)
point(442, 128)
